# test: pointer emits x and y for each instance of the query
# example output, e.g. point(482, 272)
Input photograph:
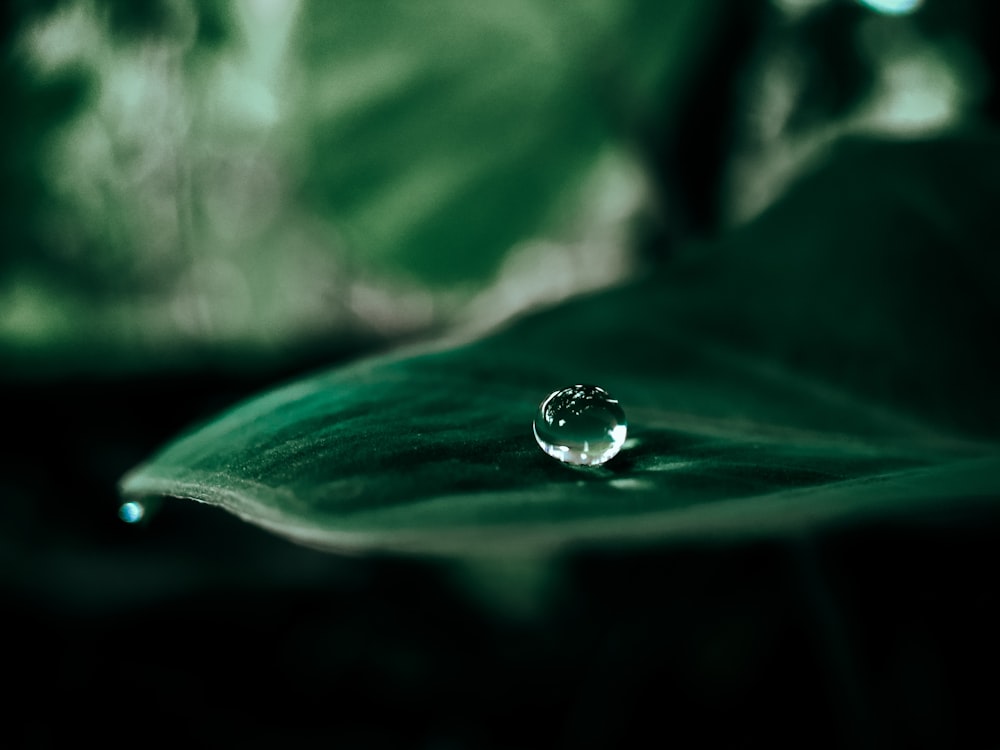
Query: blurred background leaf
point(257, 178)
point(243, 184)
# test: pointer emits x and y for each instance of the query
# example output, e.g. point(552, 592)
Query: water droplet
point(131, 512)
point(582, 424)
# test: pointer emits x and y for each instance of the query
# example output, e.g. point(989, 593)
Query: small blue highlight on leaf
point(131, 512)
point(893, 7)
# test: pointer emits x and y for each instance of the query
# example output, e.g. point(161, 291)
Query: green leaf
point(830, 363)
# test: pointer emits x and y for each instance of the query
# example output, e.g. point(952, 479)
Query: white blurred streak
point(920, 89)
point(893, 7)
point(794, 9)
point(68, 36)
point(267, 27)
point(390, 309)
point(595, 251)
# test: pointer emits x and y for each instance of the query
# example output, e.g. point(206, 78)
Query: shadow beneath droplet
point(643, 452)
point(648, 448)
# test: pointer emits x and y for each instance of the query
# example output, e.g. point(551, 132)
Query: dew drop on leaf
point(582, 424)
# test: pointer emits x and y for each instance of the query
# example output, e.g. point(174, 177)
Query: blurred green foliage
point(191, 182)
point(262, 175)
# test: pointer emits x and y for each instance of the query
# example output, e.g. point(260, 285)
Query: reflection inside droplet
point(582, 425)
point(131, 512)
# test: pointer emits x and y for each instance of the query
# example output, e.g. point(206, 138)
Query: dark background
point(196, 628)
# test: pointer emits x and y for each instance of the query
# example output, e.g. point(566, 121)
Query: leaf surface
point(830, 363)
